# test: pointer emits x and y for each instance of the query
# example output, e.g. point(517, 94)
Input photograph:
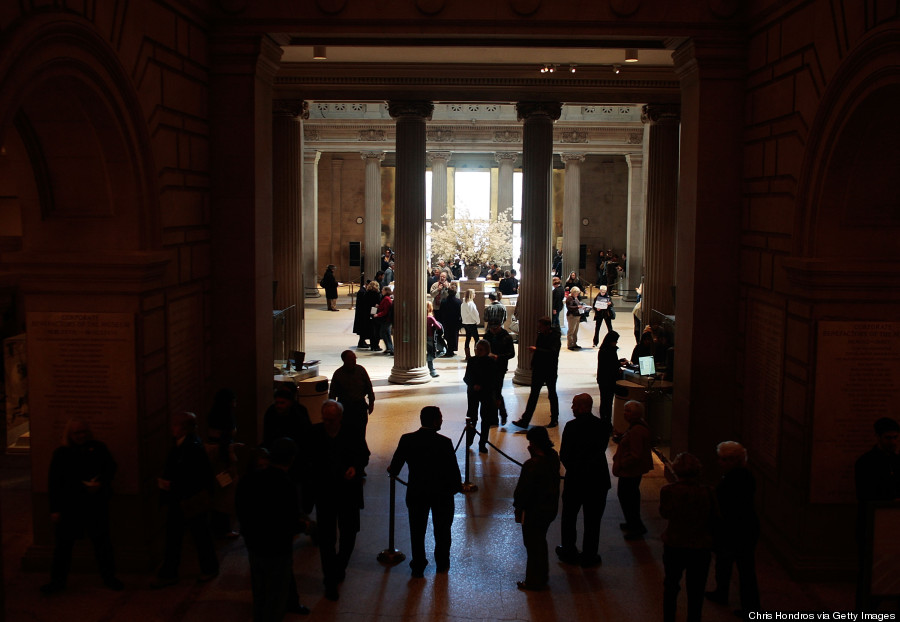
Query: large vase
point(472, 272)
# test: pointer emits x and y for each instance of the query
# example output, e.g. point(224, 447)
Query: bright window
point(472, 199)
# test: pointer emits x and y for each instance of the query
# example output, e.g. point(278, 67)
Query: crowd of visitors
point(218, 488)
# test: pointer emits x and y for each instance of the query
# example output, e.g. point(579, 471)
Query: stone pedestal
point(537, 164)
point(409, 292)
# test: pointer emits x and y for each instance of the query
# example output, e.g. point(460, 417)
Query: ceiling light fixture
point(572, 68)
point(631, 55)
point(617, 69)
point(545, 68)
point(319, 52)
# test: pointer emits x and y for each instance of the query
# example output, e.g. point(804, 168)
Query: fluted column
point(438, 161)
point(662, 209)
point(310, 222)
point(409, 293)
point(287, 226)
point(637, 213)
point(507, 162)
point(372, 245)
point(537, 163)
point(572, 211)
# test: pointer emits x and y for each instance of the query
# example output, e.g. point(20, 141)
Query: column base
point(522, 377)
point(415, 375)
point(313, 292)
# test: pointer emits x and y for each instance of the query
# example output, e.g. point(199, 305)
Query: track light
point(319, 52)
point(631, 55)
point(572, 68)
point(617, 69)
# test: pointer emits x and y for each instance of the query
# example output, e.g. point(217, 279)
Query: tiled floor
point(487, 555)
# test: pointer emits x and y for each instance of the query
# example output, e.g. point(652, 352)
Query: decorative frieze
point(507, 136)
point(573, 137)
point(371, 136)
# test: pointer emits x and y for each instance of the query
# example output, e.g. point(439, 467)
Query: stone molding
point(531, 110)
point(415, 109)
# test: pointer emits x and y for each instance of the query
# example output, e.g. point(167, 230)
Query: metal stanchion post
point(467, 485)
point(390, 555)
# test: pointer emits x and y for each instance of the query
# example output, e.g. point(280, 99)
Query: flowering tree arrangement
point(475, 242)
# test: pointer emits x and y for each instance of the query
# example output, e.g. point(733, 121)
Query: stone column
point(310, 222)
point(537, 164)
point(372, 242)
point(507, 162)
point(438, 161)
point(712, 77)
point(662, 209)
point(242, 72)
point(287, 229)
point(637, 212)
point(409, 293)
point(572, 212)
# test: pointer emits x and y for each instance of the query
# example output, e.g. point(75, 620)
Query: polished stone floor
point(487, 556)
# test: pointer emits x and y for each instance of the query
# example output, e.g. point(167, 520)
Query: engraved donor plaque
point(81, 366)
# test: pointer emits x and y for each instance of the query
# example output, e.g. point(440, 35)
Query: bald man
point(583, 453)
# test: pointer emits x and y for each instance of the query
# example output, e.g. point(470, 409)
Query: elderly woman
point(687, 540)
point(603, 312)
point(573, 317)
point(738, 531)
point(536, 501)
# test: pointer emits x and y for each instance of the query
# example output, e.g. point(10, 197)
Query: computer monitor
point(647, 365)
point(298, 358)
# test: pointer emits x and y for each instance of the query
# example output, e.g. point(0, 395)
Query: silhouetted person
point(267, 506)
point(877, 476)
point(544, 370)
point(352, 387)
point(220, 446)
point(583, 452)
point(287, 418)
point(186, 485)
point(330, 285)
point(687, 540)
point(609, 371)
point(481, 383)
point(737, 532)
point(338, 458)
point(433, 480)
point(78, 490)
point(536, 502)
point(632, 459)
point(503, 351)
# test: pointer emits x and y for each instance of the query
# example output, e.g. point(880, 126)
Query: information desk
point(657, 401)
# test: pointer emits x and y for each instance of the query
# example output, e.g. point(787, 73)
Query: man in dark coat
point(78, 490)
point(268, 508)
point(450, 317)
point(503, 351)
point(433, 480)
point(583, 453)
point(544, 366)
point(338, 459)
point(330, 284)
point(186, 485)
point(557, 297)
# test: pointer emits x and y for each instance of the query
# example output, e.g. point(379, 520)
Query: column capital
point(659, 114)
point(294, 108)
point(506, 156)
point(571, 157)
point(421, 109)
point(372, 155)
point(431, 156)
point(635, 159)
point(311, 156)
point(531, 110)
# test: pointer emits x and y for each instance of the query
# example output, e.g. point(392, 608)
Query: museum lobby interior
point(164, 163)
